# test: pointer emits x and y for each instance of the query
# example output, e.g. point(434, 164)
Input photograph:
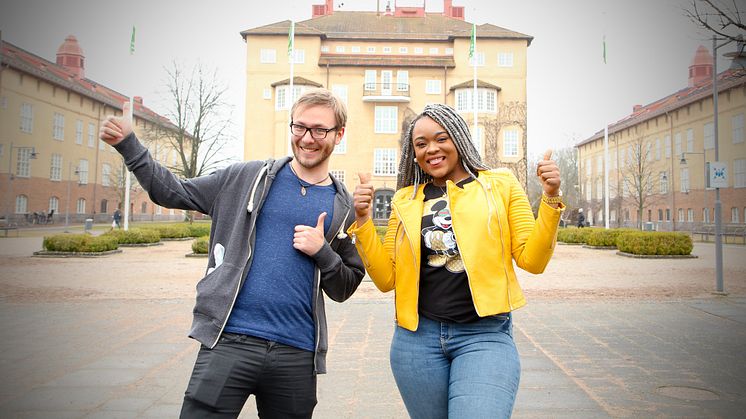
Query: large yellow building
point(51, 160)
point(658, 156)
point(387, 66)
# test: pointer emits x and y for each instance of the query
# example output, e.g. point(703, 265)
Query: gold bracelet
point(552, 200)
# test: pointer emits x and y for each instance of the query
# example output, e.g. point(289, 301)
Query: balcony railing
point(386, 92)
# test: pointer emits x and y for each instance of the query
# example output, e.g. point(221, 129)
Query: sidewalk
point(105, 338)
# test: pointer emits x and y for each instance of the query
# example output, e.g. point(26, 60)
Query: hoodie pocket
point(216, 292)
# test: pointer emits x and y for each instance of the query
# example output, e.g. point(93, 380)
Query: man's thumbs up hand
point(115, 128)
point(309, 240)
point(362, 198)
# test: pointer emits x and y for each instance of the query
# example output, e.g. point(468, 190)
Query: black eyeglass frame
point(316, 132)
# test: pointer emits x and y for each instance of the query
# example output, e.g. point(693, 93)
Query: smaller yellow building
point(658, 156)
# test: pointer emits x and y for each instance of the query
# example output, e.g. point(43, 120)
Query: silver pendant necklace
point(304, 186)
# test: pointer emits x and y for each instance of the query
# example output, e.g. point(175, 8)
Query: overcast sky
point(571, 93)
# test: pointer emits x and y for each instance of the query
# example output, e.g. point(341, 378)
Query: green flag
point(291, 39)
point(604, 49)
point(132, 41)
point(473, 43)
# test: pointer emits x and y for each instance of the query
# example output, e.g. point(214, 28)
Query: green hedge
point(83, 243)
point(199, 229)
point(201, 245)
point(603, 237)
point(179, 230)
point(135, 236)
point(654, 243)
point(574, 234)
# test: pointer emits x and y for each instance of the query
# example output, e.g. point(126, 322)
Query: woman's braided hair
point(410, 172)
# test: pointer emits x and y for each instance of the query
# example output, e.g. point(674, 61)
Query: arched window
point(54, 204)
point(80, 208)
point(21, 204)
point(382, 204)
point(144, 208)
point(104, 206)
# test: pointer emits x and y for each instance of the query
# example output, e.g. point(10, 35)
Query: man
point(117, 219)
point(581, 218)
point(277, 240)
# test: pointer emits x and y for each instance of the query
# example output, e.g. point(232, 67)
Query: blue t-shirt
point(276, 299)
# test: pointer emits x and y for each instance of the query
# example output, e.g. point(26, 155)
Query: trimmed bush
point(381, 231)
point(135, 236)
point(81, 243)
point(606, 238)
point(171, 231)
point(654, 243)
point(201, 245)
point(199, 230)
point(574, 234)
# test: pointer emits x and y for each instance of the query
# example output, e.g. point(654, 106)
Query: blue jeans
point(451, 370)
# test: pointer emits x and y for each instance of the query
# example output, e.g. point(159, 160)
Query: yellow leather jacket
point(493, 225)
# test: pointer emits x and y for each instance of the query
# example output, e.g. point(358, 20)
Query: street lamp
point(69, 181)
point(32, 155)
point(704, 179)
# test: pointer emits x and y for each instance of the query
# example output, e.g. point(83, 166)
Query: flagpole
point(291, 57)
point(474, 62)
point(606, 158)
point(127, 177)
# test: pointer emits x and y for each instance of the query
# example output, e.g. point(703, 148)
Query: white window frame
point(355, 49)
point(486, 100)
point(267, 93)
point(299, 56)
point(339, 49)
point(105, 174)
point(384, 162)
point(599, 163)
point(78, 132)
point(338, 174)
point(80, 206)
point(283, 101)
point(83, 172)
point(448, 51)
point(737, 132)
point(690, 215)
point(480, 59)
point(709, 136)
point(267, 56)
point(23, 162)
point(27, 118)
point(684, 180)
point(55, 169)
point(739, 173)
point(386, 119)
point(663, 183)
point(667, 145)
point(403, 50)
point(341, 90)
point(735, 218)
point(433, 51)
point(419, 50)
point(433, 87)
point(370, 80)
point(677, 144)
point(21, 204)
point(54, 204)
point(402, 81)
point(510, 143)
point(92, 135)
point(505, 59)
point(387, 50)
point(325, 48)
point(58, 126)
point(370, 50)
point(690, 140)
point(657, 148)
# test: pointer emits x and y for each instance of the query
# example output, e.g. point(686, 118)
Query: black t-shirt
point(444, 288)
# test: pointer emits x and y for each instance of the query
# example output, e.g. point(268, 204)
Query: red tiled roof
point(296, 81)
point(726, 80)
point(26, 62)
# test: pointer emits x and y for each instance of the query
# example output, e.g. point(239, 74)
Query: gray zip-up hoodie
point(233, 198)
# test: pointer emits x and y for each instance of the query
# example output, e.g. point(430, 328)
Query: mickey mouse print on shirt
point(438, 235)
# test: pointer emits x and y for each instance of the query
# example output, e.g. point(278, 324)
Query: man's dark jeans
point(281, 378)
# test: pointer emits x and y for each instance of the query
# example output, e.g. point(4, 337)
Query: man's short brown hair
point(323, 97)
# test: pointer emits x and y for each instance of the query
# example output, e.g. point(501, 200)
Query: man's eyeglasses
point(317, 133)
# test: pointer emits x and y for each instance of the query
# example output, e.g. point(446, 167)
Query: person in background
point(117, 219)
point(581, 218)
point(277, 241)
point(455, 230)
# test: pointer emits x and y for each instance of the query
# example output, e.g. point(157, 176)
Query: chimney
point(388, 11)
point(701, 69)
point(447, 6)
point(636, 108)
point(137, 99)
point(70, 56)
point(318, 10)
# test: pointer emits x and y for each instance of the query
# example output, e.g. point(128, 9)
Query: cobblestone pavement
point(70, 348)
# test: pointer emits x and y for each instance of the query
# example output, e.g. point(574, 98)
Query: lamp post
point(69, 181)
point(11, 176)
point(704, 178)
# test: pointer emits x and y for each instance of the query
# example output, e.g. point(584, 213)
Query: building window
point(657, 148)
point(339, 49)
point(158, 210)
point(371, 50)
point(58, 127)
point(677, 144)
point(23, 162)
point(739, 173)
point(680, 213)
point(267, 93)
point(267, 56)
point(386, 119)
point(505, 59)
point(341, 91)
point(709, 137)
point(387, 50)
point(403, 50)
point(325, 48)
point(419, 50)
point(355, 50)
point(588, 166)
point(338, 174)
point(92, 135)
point(104, 206)
point(78, 132)
point(690, 140)
point(667, 145)
point(449, 51)
point(27, 118)
point(660, 214)
point(83, 172)
point(370, 80)
point(384, 162)
point(690, 215)
point(21, 204)
point(486, 100)
point(706, 215)
point(663, 182)
point(105, 174)
point(299, 55)
point(382, 204)
point(144, 208)
point(588, 195)
point(599, 164)
point(54, 204)
point(599, 189)
point(433, 51)
point(734, 217)
point(402, 81)
point(80, 207)
point(283, 101)
point(433, 87)
point(668, 214)
point(737, 131)
point(684, 179)
point(510, 143)
point(341, 148)
point(480, 59)
point(55, 171)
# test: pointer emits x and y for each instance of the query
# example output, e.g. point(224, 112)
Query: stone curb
point(52, 254)
point(196, 255)
point(588, 246)
point(140, 244)
point(631, 255)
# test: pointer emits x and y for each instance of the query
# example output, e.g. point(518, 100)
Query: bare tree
point(510, 114)
point(199, 122)
point(638, 178)
point(117, 178)
point(720, 17)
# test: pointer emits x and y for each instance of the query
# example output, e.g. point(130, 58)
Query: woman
point(454, 231)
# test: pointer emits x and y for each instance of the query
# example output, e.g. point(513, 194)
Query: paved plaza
point(602, 336)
